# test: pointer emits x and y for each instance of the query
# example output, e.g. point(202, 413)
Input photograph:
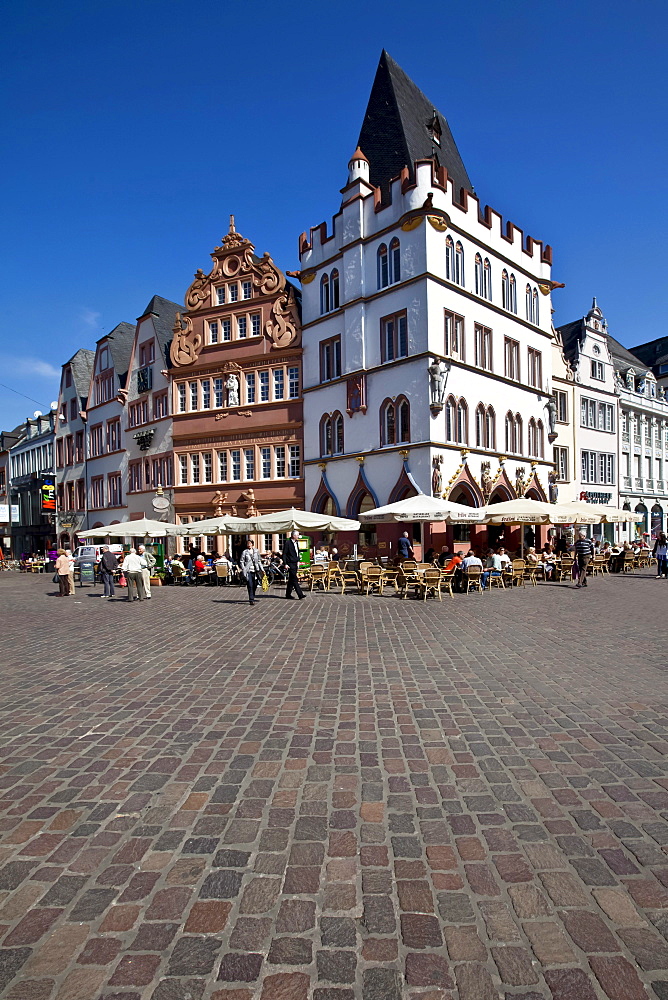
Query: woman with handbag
point(63, 573)
point(251, 568)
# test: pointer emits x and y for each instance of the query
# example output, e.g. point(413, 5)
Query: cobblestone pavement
point(338, 798)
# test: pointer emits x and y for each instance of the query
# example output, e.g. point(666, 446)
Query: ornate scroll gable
point(283, 328)
point(186, 344)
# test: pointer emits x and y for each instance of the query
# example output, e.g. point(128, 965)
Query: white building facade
point(427, 333)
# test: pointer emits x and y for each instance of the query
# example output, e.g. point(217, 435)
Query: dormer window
point(434, 128)
point(104, 359)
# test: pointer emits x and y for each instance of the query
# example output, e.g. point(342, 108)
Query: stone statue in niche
point(630, 379)
point(520, 482)
point(553, 488)
point(438, 376)
point(642, 385)
point(551, 407)
point(437, 476)
point(486, 481)
point(232, 386)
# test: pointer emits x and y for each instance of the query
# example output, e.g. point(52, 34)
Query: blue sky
point(133, 128)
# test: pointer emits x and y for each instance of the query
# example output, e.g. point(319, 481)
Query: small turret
point(358, 167)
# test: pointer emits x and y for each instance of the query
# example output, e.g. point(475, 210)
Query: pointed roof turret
point(402, 125)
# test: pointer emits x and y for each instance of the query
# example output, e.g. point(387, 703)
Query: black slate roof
point(624, 357)
point(163, 312)
point(120, 341)
point(395, 131)
point(572, 335)
point(653, 353)
point(82, 365)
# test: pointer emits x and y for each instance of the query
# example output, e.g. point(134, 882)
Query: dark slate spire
point(401, 125)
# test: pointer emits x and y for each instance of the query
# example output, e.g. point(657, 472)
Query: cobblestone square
point(339, 798)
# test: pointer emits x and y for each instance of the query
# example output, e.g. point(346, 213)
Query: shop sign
point(49, 494)
point(4, 512)
point(595, 497)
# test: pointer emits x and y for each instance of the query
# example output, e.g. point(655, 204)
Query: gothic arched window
point(324, 294)
point(449, 258)
point(395, 261)
point(383, 267)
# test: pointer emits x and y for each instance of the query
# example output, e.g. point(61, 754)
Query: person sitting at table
point(470, 561)
point(445, 556)
point(531, 557)
point(547, 559)
point(561, 548)
point(504, 557)
point(200, 565)
point(321, 555)
point(431, 553)
point(493, 567)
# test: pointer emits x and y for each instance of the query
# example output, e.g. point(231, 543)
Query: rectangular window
point(511, 351)
point(483, 347)
point(73, 409)
point(279, 453)
point(279, 383)
point(250, 387)
point(597, 371)
point(265, 457)
point(255, 325)
point(207, 462)
point(394, 337)
point(242, 327)
point(213, 331)
point(247, 289)
point(249, 463)
point(226, 325)
point(59, 453)
point(96, 442)
point(183, 469)
point(68, 378)
point(193, 395)
point(181, 403)
point(97, 492)
point(220, 295)
point(561, 463)
point(115, 497)
point(598, 468)
point(114, 435)
point(264, 386)
point(218, 396)
point(454, 335)
point(561, 399)
point(146, 353)
point(194, 467)
point(134, 477)
point(236, 464)
point(69, 450)
point(330, 359)
point(606, 417)
point(267, 543)
point(160, 407)
point(222, 466)
point(206, 394)
point(234, 292)
point(535, 368)
point(79, 443)
point(295, 464)
point(293, 383)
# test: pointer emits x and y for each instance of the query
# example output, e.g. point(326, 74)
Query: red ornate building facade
point(237, 389)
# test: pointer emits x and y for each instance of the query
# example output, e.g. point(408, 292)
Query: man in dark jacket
point(108, 566)
point(291, 560)
point(584, 550)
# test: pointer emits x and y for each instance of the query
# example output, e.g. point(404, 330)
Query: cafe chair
point(318, 577)
point(373, 580)
point(431, 583)
point(518, 570)
point(448, 580)
point(222, 574)
point(473, 579)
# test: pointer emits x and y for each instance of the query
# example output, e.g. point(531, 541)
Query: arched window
point(395, 421)
point(490, 428)
point(478, 275)
point(462, 422)
point(536, 314)
point(459, 264)
point(395, 261)
point(487, 280)
point(505, 289)
point(388, 427)
point(480, 432)
point(383, 267)
point(324, 294)
point(337, 434)
point(540, 444)
point(450, 412)
point(532, 439)
point(335, 289)
point(513, 294)
point(449, 258)
point(511, 434)
point(518, 433)
point(403, 420)
point(326, 435)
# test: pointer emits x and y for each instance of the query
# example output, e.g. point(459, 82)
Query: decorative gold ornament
point(413, 223)
point(306, 279)
point(437, 223)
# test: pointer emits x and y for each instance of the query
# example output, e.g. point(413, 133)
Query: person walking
point(291, 560)
point(146, 572)
point(405, 548)
point(70, 579)
point(660, 552)
point(63, 572)
point(133, 564)
point(108, 566)
point(584, 550)
point(251, 568)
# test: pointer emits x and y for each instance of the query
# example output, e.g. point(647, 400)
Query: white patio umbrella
point(611, 515)
point(526, 511)
point(144, 527)
point(301, 520)
point(216, 526)
point(422, 508)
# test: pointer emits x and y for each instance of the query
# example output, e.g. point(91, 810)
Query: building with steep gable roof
point(71, 446)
